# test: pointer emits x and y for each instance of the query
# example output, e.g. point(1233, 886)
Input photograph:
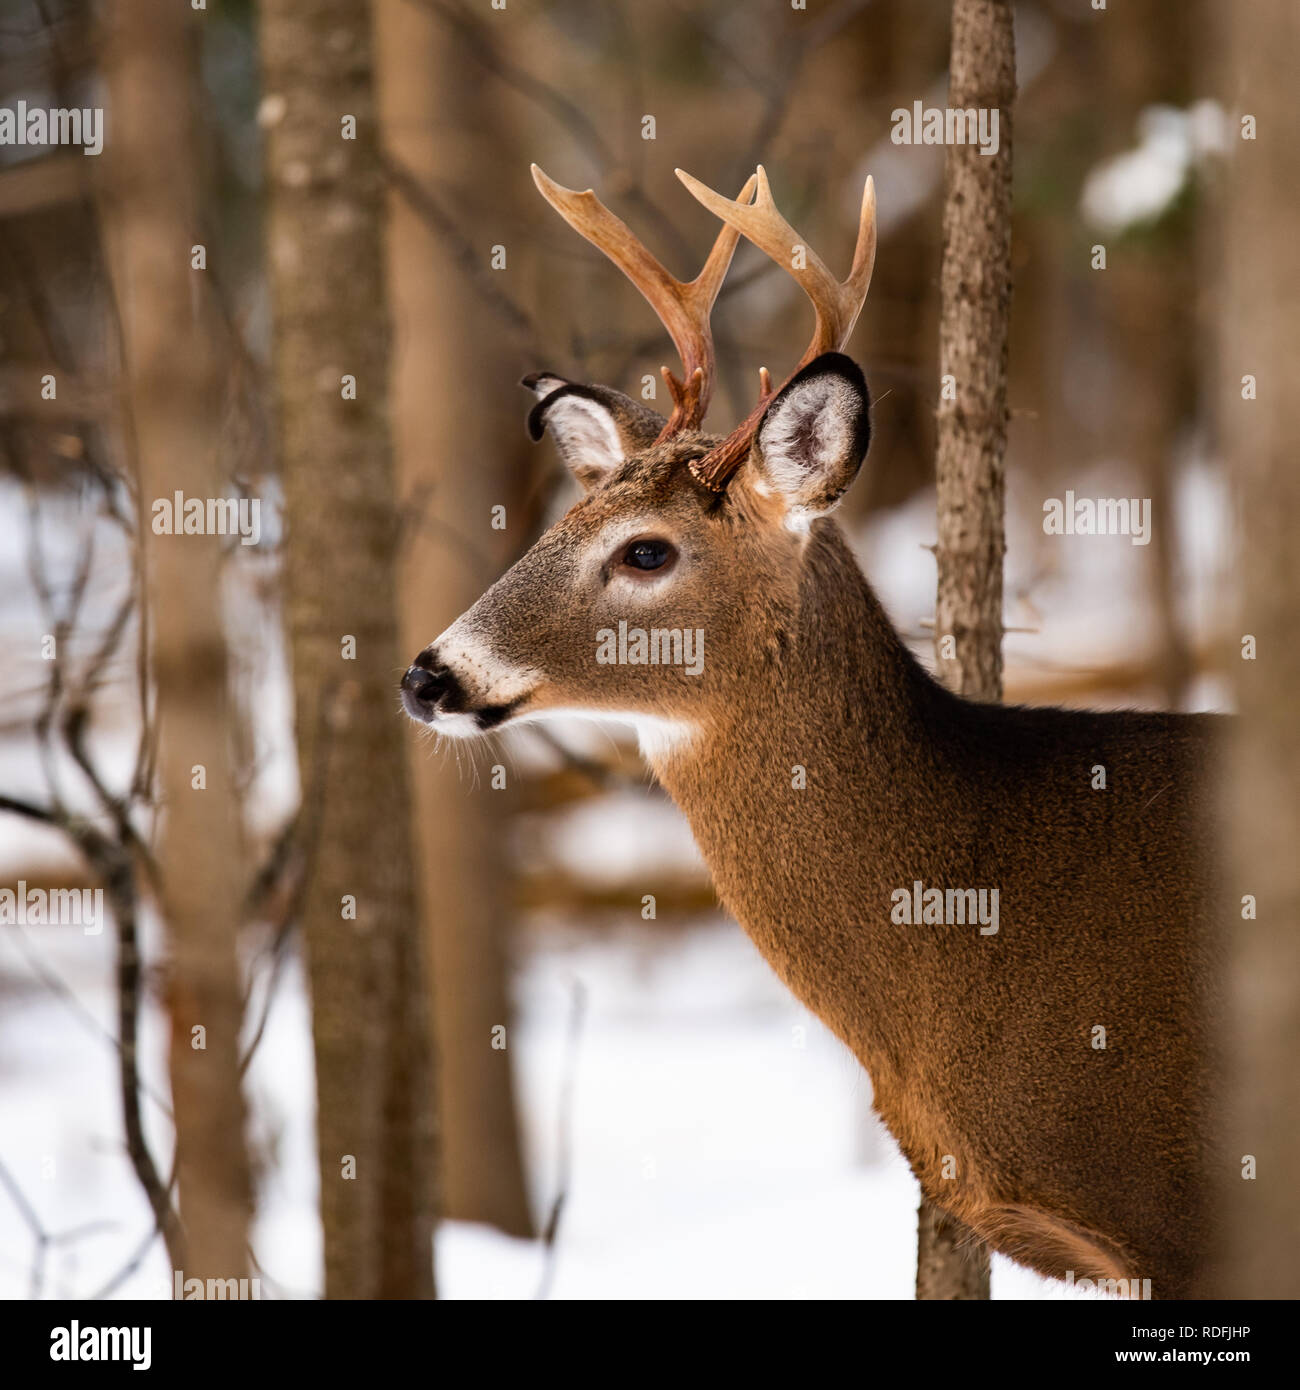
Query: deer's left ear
point(813, 438)
point(595, 427)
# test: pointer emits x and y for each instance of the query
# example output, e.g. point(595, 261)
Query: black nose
point(428, 687)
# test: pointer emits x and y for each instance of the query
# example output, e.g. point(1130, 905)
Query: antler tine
point(683, 307)
point(837, 304)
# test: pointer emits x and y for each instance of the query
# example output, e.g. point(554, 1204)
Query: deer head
point(681, 539)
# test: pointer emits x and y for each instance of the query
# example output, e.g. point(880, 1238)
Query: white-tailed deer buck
point(1017, 954)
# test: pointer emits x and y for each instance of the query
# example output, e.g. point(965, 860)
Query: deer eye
point(648, 555)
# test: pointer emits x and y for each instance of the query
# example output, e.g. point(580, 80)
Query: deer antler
point(837, 305)
point(683, 307)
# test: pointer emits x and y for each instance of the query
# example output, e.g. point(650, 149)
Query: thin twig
point(136, 1258)
point(43, 1238)
point(782, 83)
point(423, 202)
point(564, 1138)
point(60, 988)
point(292, 859)
point(550, 99)
point(617, 178)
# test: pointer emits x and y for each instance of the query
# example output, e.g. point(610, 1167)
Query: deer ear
point(814, 437)
point(595, 427)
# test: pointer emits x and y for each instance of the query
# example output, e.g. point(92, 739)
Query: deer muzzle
point(430, 689)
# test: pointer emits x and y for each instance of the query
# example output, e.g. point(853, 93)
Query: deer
point(1045, 1069)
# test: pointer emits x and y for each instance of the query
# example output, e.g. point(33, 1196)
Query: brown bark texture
point(363, 936)
point(974, 329)
point(1261, 289)
point(150, 213)
point(951, 1261)
point(453, 461)
point(975, 314)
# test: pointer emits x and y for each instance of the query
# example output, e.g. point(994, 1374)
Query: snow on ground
point(722, 1143)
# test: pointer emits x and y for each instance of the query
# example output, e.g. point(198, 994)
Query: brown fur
point(1067, 1157)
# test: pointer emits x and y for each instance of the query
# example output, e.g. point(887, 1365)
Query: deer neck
point(804, 796)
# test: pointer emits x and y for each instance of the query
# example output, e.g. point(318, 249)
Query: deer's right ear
point(813, 437)
point(595, 427)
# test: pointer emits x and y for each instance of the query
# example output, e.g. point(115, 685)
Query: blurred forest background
point(624, 1107)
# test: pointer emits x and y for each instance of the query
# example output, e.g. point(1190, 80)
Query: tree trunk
point(150, 213)
point(325, 262)
point(975, 315)
point(1262, 1208)
point(453, 453)
point(951, 1261)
